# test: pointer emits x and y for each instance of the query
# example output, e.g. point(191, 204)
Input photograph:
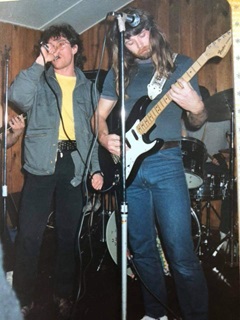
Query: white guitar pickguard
point(137, 147)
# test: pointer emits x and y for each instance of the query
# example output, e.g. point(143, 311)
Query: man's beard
point(144, 53)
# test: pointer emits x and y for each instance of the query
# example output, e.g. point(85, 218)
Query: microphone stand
point(4, 172)
point(124, 207)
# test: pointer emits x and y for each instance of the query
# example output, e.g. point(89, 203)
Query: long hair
point(65, 30)
point(160, 48)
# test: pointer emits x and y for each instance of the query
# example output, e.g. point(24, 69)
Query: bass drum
point(111, 238)
point(194, 154)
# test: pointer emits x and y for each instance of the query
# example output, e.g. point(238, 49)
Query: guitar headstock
point(220, 47)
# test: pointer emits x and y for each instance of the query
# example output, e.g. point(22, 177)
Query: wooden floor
point(100, 294)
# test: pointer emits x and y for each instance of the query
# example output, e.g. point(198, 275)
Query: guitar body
point(139, 147)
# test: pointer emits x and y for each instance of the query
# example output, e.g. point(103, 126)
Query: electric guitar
point(139, 123)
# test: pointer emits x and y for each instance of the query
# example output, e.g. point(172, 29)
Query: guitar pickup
point(134, 134)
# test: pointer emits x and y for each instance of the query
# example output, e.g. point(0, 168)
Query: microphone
point(46, 47)
point(132, 19)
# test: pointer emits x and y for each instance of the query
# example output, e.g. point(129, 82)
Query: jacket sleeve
point(22, 91)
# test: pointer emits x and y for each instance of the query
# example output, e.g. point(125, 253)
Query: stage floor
point(100, 294)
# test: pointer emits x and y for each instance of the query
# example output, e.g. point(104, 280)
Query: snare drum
point(194, 155)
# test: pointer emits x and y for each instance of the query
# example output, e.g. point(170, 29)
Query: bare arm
point(187, 98)
point(99, 125)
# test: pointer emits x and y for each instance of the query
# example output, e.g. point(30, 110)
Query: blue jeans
point(159, 195)
point(37, 197)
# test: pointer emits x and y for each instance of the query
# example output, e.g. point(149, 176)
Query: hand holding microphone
point(46, 54)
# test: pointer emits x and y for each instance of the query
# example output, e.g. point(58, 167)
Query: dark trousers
point(35, 209)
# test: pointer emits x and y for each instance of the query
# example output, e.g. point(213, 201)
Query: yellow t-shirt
point(67, 85)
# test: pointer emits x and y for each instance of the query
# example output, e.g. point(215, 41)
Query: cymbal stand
point(208, 207)
point(229, 192)
point(199, 210)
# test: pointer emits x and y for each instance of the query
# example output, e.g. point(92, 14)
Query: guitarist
point(17, 126)
point(158, 196)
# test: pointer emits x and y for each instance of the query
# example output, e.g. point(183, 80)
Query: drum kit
point(205, 188)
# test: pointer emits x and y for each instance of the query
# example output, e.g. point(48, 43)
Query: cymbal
point(219, 106)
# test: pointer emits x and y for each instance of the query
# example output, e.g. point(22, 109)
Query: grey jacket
point(37, 96)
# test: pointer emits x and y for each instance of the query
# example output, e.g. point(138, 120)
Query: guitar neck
point(148, 121)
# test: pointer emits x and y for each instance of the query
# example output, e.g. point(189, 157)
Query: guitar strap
point(156, 84)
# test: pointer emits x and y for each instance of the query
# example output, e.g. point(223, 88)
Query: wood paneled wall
point(19, 42)
point(189, 25)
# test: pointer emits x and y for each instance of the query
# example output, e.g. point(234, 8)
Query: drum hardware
point(233, 260)
point(220, 108)
point(208, 205)
point(205, 230)
point(194, 155)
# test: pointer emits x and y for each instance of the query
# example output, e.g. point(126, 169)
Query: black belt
point(67, 145)
point(170, 144)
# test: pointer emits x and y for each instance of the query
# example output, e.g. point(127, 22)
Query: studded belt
point(67, 145)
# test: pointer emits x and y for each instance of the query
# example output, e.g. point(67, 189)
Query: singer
point(158, 197)
point(58, 102)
